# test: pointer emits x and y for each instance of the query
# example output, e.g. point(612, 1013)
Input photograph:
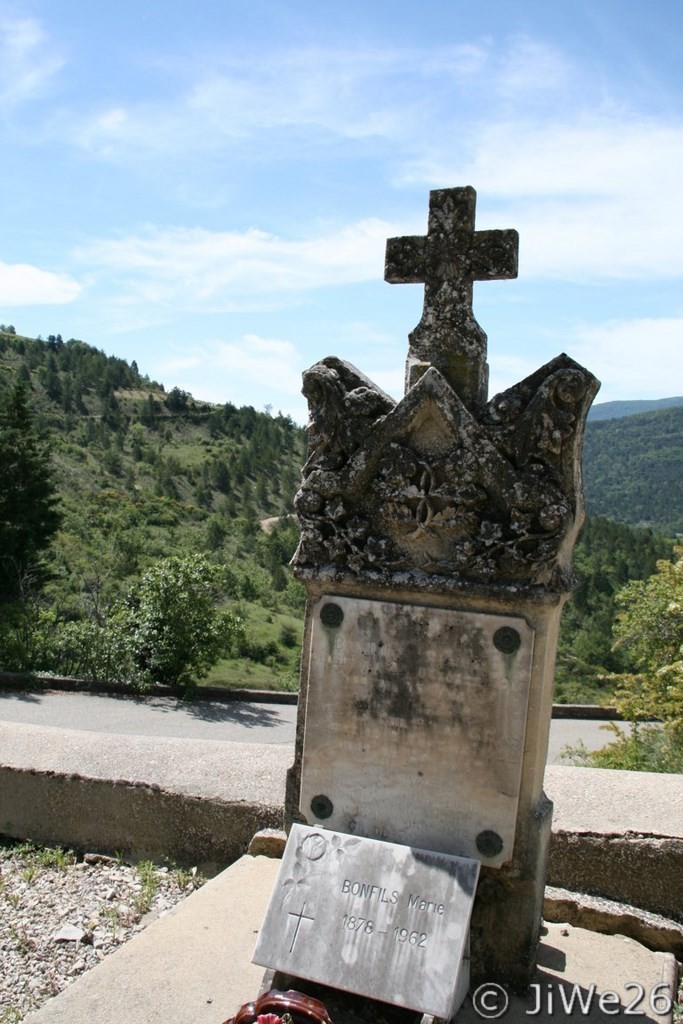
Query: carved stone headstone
point(436, 549)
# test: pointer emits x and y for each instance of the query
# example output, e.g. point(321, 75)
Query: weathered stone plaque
point(428, 703)
point(380, 920)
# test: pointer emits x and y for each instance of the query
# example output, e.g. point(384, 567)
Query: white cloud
point(311, 93)
point(254, 358)
point(594, 189)
point(27, 60)
point(237, 270)
point(242, 371)
point(25, 285)
point(530, 67)
point(634, 358)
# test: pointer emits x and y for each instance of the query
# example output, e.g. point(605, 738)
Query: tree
point(148, 412)
point(51, 381)
point(177, 400)
point(221, 476)
point(607, 555)
point(29, 516)
point(177, 629)
point(650, 624)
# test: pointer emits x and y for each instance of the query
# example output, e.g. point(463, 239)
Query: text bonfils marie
point(379, 894)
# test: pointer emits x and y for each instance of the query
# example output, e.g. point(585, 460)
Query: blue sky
point(207, 187)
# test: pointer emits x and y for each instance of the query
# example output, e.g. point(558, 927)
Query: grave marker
point(383, 921)
point(436, 550)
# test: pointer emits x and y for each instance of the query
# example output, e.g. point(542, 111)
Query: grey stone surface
point(71, 933)
point(448, 259)
point(380, 920)
point(610, 917)
point(428, 703)
point(608, 802)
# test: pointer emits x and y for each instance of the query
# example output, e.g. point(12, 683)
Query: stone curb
point(608, 917)
point(148, 821)
point(139, 821)
point(18, 680)
point(629, 867)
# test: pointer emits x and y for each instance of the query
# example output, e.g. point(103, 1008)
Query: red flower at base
point(295, 1008)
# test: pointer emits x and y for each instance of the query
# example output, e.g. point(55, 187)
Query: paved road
point(236, 722)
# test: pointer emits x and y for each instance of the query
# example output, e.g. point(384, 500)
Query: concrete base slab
point(596, 978)
point(194, 965)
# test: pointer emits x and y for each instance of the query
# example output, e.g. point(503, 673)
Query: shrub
point(176, 628)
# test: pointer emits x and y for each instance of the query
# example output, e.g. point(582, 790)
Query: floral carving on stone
point(423, 487)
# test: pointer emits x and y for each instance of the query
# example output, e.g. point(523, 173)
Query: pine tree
point(28, 505)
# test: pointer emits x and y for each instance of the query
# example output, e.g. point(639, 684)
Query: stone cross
point(448, 259)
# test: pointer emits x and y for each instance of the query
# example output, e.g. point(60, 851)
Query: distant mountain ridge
point(633, 469)
point(616, 410)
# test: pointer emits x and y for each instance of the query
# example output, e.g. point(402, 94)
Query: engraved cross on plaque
point(300, 916)
point(448, 259)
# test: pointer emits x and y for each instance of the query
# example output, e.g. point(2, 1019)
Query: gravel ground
point(60, 916)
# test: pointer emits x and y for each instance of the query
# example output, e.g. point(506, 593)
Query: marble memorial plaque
point(380, 920)
point(415, 725)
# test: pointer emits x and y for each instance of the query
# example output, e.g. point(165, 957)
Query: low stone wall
point(138, 821)
point(617, 835)
point(643, 871)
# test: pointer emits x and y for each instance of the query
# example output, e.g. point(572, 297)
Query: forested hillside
point(632, 469)
point(141, 476)
point(607, 556)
